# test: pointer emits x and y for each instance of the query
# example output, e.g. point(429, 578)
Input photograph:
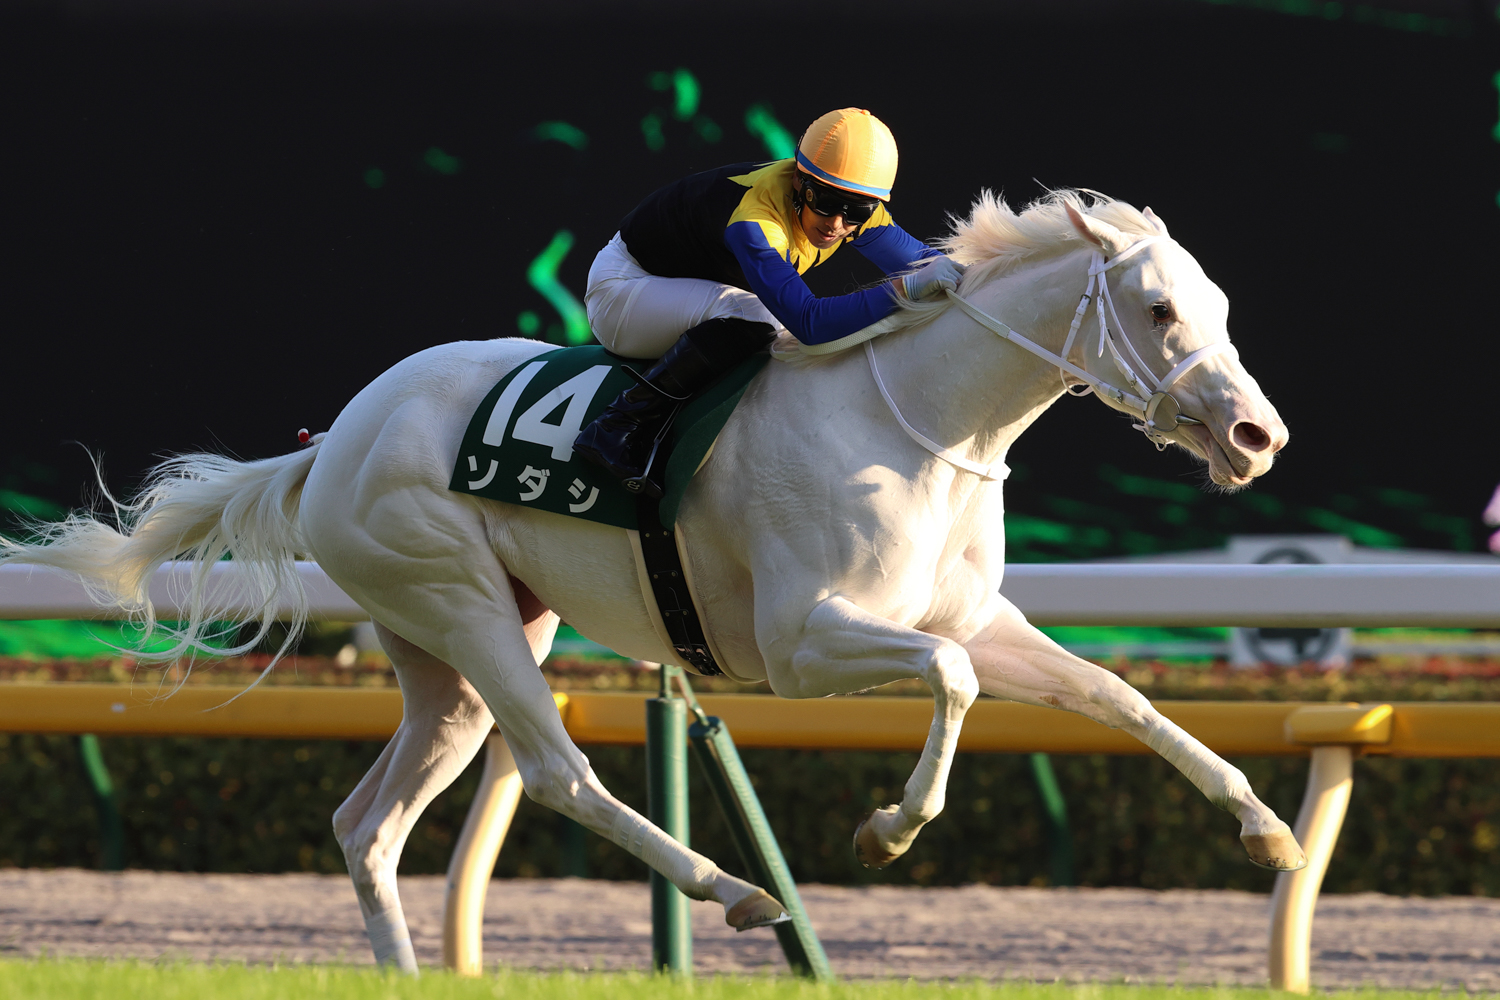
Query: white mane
point(995, 238)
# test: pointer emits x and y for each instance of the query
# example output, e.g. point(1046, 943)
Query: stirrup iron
point(644, 483)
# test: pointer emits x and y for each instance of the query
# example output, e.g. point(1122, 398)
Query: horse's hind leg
point(1015, 660)
point(442, 588)
point(443, 724)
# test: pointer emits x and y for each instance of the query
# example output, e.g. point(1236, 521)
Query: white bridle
point(1151, 399)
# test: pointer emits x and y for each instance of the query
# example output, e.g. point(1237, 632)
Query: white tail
point(198, 508)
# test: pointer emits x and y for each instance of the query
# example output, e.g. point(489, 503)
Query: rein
point(1158, 409)
point(997, 471)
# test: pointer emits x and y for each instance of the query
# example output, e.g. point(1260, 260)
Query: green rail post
point(752, 835)
point(1059, 837)
point(575, 858)
point(102, 789)
point(667, 807)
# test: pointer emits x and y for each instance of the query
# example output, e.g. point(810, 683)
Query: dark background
point(191, 257)
point(196, 260)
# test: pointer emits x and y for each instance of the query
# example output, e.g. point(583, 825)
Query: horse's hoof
point(867, 849)
point(1277, 852)
point(759, 909)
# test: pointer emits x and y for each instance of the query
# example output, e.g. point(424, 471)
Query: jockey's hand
point(932, 278)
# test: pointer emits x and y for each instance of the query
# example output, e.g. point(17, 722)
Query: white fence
point(1166, 594)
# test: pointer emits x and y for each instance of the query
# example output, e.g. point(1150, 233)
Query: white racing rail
point(34, 593)
point(1257, 595)
point(1164, 594)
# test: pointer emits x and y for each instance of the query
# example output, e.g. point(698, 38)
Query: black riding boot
point(622, 438)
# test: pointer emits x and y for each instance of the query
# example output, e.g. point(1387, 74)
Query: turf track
point(81, 979)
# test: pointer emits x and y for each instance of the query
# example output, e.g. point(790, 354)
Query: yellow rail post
point(1332, 732)
point(474, 856)
point(478, 847)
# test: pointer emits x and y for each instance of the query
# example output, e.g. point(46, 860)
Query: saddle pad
point(519, 444)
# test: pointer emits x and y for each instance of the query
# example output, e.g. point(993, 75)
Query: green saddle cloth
point(519, 444)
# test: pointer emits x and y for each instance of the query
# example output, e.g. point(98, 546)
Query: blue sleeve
point(891, 248)
point(776, 282)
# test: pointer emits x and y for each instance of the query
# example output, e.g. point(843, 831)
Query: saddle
point(518, 449)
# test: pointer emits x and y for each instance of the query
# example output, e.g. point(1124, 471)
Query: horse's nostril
point(1250, 437)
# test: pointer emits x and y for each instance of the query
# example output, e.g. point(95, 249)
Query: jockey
point(705, 272)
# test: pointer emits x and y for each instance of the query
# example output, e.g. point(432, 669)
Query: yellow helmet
point(852, 150)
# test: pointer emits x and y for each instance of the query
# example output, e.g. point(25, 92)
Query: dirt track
point(975, 931)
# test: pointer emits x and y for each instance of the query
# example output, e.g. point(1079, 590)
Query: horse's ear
point(1151, 217)
point(1101, 234)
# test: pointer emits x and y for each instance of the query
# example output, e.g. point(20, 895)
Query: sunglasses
point(829, 201)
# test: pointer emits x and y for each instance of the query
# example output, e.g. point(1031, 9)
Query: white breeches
point(637, 314)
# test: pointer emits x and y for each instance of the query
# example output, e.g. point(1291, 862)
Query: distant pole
point(575, 858)
point(667, 807)
point(1059, 836)
point(102, 790)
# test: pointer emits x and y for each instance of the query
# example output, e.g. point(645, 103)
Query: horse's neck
point(969, 390)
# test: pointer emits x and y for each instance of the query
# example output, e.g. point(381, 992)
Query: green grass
point(86, 979)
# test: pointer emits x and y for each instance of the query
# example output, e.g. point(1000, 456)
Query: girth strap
point(669, 587)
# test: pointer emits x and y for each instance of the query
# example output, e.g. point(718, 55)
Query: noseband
point(1151, 398)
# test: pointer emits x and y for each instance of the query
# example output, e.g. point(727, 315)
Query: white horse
point(844, 533)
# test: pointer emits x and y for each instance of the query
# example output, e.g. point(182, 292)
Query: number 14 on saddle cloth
point(518, 447)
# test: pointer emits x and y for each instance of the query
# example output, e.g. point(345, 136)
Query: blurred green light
point(660, 80)
point(1357, 532)
point(374, 178)
point(1359, 13)
point(528, 323)
point(764, 126)
point(542, 275)
point(13, 502)
point(1143, 486)
point(442, 162)
point(652, 133)
point(686, 86)
point(708, 129)
point(1495, 132)
point(568, 135)
point(1330, 142)
point(1174, 514)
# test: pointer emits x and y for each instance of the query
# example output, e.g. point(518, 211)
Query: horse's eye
point(1161, 311)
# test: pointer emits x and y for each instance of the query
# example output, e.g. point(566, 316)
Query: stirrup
point(644, 483)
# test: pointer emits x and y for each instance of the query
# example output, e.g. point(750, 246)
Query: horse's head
point(1165, 309)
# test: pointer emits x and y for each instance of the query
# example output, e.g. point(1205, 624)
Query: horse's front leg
point(1016, 661)
point(843, 648)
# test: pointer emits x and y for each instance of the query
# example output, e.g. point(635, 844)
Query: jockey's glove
point(932, 278)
